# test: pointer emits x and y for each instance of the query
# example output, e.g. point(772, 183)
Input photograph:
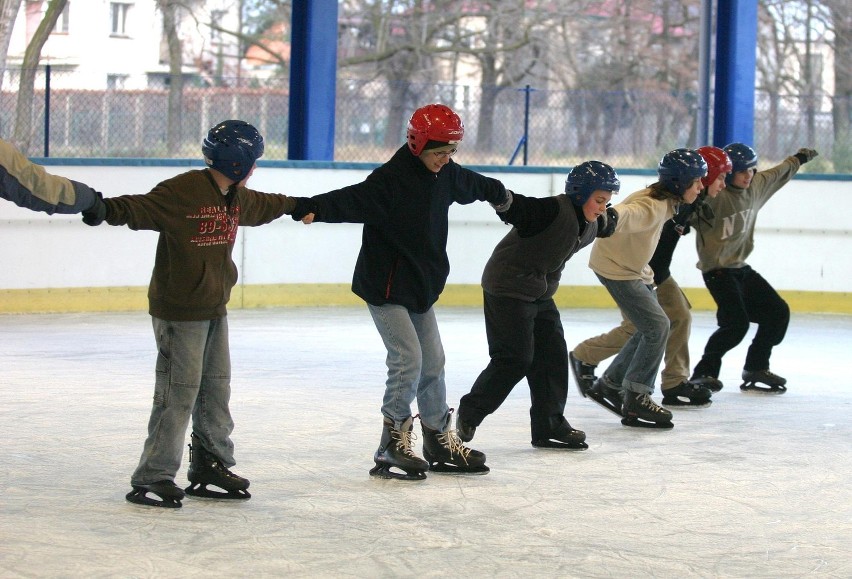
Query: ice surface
point(753, 486)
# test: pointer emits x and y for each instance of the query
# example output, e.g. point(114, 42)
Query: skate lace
point(405, 441)
point(224, 470)
point(769, 375)
point(453, 443)
point(648, 402)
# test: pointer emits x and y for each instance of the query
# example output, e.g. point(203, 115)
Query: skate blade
point(385, 472)
point(445, 468)
point(559, 445)
point(200, 490)
point(140, 497)
point(605, 403)
point(636, 423)
point(753, 387)
point(686, 403)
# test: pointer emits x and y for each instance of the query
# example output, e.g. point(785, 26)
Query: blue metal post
point(47, 110)
point(527, 91)
point(313, 73)
point(705, 43)
point(736, 49)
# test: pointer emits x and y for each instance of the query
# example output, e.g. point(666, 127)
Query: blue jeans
point(193, 379)
point(635, 366)
point(415, 364)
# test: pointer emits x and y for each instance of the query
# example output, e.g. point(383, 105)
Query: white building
point(121, 44)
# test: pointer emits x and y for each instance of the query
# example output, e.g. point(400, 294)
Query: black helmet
point(742, 157)
point(588, 177)
point(232, 147)
point(678, 169)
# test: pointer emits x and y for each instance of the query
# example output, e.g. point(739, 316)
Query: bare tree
point(169, 10)
point(26, 90)
point(8, 14)
point(499, 35)
point(788, 66)
point(841, 18)
point(396, 41)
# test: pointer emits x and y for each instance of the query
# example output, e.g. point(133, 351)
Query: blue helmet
point(742, 157)
point(588, 177)
point(232, 147)
point(679, 169)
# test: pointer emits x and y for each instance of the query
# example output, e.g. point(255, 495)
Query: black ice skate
point(606, 396)
point(566, 438)
point(687, 394)
point(206, 469)
point(775, 384)
point(584, 374)
point(641, 411)
point(464, 429)
point(396, 454)
point(168, 492)
point(710, 382)
point(445, 453)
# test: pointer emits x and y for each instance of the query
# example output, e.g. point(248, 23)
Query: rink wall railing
point(58, 264)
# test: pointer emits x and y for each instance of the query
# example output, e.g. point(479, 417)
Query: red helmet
point(434, 123)
point(717, 162)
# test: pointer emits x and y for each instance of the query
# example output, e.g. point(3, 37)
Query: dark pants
point(525, 339)
point(742, 297)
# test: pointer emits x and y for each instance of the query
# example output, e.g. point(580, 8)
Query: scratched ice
point(754, 486)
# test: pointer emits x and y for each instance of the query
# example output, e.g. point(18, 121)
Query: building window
point(119, 12)
point(62, 24)
point(116, 81)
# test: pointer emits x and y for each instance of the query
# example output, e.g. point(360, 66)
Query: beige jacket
point(625, 255)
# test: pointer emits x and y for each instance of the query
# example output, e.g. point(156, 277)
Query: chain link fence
point(628, 129)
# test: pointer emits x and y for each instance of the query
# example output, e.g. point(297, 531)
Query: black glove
point(804, 155)
point(304, 206)
point(96, 214)
point(505, 205)
point(607, 222)
point(684, 214)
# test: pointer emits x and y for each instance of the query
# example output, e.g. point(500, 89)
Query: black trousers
point(743, 297)
point(525, 340)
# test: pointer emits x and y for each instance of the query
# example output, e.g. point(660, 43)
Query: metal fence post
point(47, 110)
point(524, 140)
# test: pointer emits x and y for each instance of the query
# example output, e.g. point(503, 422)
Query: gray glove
point(804, 155)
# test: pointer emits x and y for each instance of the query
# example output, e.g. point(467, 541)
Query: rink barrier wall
point(58, 264)
point(67, 300)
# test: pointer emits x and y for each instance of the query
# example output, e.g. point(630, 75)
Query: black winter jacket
point(404, 208)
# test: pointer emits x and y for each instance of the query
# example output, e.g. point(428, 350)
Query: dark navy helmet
point(232, 147)
point(742, 157)
point(588, 177)
point(679, 168)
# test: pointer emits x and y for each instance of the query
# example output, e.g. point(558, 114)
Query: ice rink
point(754, 486)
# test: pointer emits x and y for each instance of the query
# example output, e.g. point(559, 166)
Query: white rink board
point(795, 250)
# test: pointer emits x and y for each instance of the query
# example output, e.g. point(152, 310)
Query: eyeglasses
point(444, 154)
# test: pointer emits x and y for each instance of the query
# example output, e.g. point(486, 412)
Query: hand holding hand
point(607, 222)
point(304, 206)
point(96, 214)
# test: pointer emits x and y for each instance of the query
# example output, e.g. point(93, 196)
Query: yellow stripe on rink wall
point(101, 299)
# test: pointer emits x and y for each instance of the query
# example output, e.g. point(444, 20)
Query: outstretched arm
point(30, 186)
